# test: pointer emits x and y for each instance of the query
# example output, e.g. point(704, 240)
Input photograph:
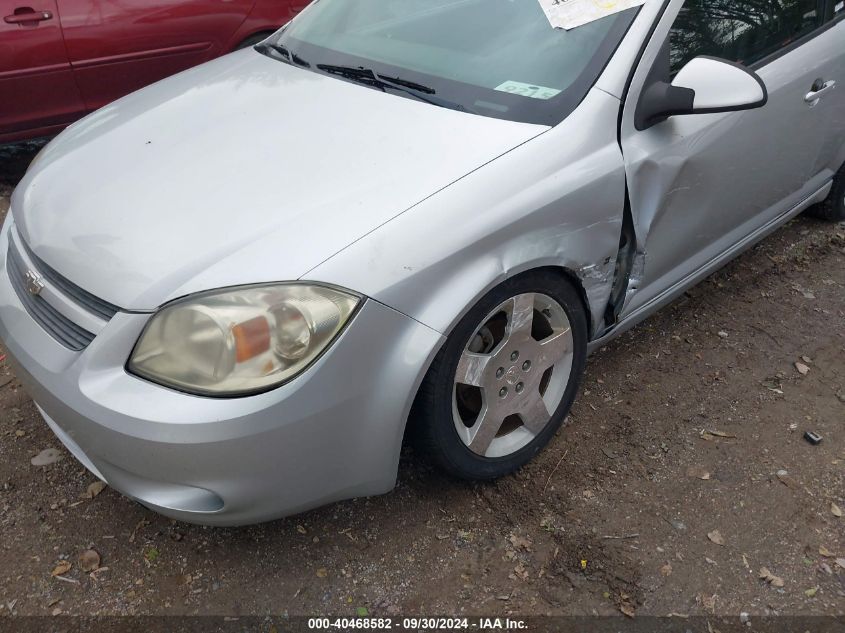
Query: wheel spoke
point(553, 349)
point(535, 414)
point(520, 316)
point(484, 430)
point(471, 369)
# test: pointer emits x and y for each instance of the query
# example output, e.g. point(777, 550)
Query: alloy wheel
point(512, 375)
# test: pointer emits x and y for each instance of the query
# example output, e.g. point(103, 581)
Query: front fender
point(556, 200)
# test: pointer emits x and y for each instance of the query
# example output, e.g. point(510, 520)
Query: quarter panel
point(556, 200)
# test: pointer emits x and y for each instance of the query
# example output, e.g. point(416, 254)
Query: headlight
point(240, 341)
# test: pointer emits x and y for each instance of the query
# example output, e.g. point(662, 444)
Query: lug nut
point(503, 392)
point(526, 365)
point(519, 387)
point(500, 372)
point(514, 355)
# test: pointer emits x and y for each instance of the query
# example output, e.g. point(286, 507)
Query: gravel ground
point(661, 495)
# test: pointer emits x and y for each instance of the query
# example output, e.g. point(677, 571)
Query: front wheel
point(505, 379)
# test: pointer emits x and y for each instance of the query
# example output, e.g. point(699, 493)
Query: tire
point(525, 374)
point(833, 208)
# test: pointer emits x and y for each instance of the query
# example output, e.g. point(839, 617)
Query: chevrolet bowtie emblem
point(34, 285)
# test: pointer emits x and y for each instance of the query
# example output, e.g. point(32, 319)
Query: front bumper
point(333, 433)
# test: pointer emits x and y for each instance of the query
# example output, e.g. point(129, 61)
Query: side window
point(743, 31)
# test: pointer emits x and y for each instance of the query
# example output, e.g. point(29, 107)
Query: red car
point(60, 59)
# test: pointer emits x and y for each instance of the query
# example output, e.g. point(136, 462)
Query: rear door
point(701, 185)
point(37, 89)
point(120, 46)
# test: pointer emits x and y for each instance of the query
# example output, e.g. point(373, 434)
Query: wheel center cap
point(512, 375)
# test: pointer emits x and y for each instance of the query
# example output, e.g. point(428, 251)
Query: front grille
point(102, 309)
point(54, 322)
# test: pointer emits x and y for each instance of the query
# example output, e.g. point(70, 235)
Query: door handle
point(820, 89)
point(28, 17)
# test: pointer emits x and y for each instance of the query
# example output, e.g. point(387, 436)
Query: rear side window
point(743, 31)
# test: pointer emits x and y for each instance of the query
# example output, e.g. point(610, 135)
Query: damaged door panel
point(696, 185)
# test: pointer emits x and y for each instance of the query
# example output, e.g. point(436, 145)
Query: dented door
point(700, 184)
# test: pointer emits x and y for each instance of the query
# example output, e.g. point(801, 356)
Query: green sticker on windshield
point(528, 90)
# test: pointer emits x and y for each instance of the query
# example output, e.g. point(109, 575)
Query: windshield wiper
point(283, 53)
point(369, 77)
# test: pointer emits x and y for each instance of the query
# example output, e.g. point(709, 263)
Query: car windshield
point(497, 58)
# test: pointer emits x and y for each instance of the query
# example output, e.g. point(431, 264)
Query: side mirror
point(704, 86)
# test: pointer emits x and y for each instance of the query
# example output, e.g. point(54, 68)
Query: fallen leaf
point(89, 560)
point(61, 568)
point(802, 369)
point(666, 570)
point(94, 489)
point(772, 384)
point(628, 610)
point(716, 537)
point(769, 577)
point(841, 562)
point(138, 526)
point(520, 572)
point(609, 453)
point(301, 529)
point(707, 602)
point(811, 592)
point(362, 612)
point(698, 472)
point(151, 555)
point(710, 435)
point(46, 457)
point(788, 481)
point(99, 570)
point(825, 552)
point(322, 572)
point(835, 510)
point(520, 542)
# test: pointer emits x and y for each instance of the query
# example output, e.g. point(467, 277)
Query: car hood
point(243, 170)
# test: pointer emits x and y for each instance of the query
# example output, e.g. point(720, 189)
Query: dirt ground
point(661, 495)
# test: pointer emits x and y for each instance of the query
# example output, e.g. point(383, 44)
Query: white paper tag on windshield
point(568, 14)
point(528, 90)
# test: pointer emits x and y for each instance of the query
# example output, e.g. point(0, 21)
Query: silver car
point(233, 294)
